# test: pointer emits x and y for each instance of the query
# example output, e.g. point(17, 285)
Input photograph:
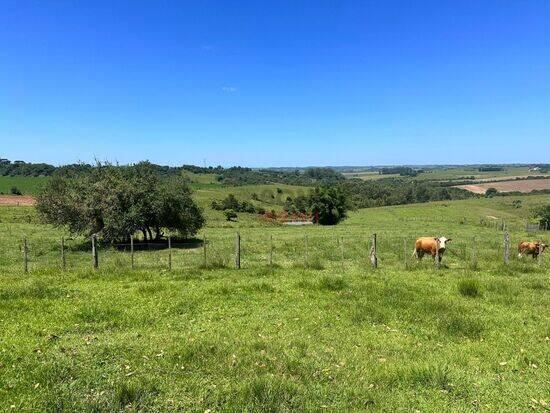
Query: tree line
point(232, 176)
point(397, 191)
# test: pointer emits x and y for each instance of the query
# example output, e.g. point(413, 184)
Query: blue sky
point(282, 83)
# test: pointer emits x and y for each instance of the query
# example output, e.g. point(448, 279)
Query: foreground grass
point(273, 340)
point(329, 335)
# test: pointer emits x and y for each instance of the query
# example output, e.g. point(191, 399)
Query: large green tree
point(328, 205)
point(118, 201)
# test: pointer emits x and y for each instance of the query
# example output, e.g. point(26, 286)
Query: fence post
point(342, 250)
point(405, 263)
point(95, 261)
point(204, 260)
point(169, 253)
point(63, 260)
point(26, 255)
point(132, 251)
point(271, 250)
point(474, 253)
point(238, 251)
point(437, 263)
point(373, 252)
point(506, 248)
point(305, 244)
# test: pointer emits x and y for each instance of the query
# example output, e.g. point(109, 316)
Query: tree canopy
point(327, 205)
point(118, 201)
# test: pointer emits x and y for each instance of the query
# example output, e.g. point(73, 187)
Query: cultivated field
point(524, 185)
point(454, 174)
point(326, 334)
point(16, 200)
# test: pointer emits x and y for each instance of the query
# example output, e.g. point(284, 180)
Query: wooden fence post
point(474, 253)
point(306, 251)
point(271, 250)
point(238, 251)
point(95, 260)
point(204, 260)
point(437, 263)
point(26, 255)
point(63, 260)
point(169, 253)
point(506, 248)
point(374, 252)
point(132, 251)
point(405, 262)
point(342, 250)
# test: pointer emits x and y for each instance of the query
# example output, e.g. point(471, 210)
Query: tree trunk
point(144, 234)
point(158, 233)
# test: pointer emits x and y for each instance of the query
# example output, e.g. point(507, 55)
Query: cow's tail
point(415, 253)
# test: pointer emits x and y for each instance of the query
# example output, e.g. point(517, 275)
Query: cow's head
point(443, 242)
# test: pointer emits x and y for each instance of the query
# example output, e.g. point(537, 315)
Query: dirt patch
point(525, 185)
point(22, 200)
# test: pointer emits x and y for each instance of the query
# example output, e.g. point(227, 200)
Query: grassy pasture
point(332, 335)
point(28, 185)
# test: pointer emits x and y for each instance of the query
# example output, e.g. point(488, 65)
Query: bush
point(15, 191)
point(230, 215)
point(491, 192)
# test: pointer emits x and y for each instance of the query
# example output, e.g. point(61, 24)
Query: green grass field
point(28, 185)
point(329, 334)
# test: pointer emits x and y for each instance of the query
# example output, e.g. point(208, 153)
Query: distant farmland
point(524, 185)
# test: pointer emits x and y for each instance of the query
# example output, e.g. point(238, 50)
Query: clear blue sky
point(281, 83)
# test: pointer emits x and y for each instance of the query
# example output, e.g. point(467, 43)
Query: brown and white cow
point(428, 245)
point(530, 248)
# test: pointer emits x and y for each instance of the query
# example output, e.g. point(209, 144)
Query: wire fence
point(233, 250)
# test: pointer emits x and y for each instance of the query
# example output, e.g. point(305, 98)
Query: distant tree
point(115, 202)
point(230, 202)
point(491, 192)
point(15, 191)
point(542, 213)
point(328, 205)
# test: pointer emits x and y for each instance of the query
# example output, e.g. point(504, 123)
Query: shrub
point(15, 191)
point(230, 215)
point(491, 192)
